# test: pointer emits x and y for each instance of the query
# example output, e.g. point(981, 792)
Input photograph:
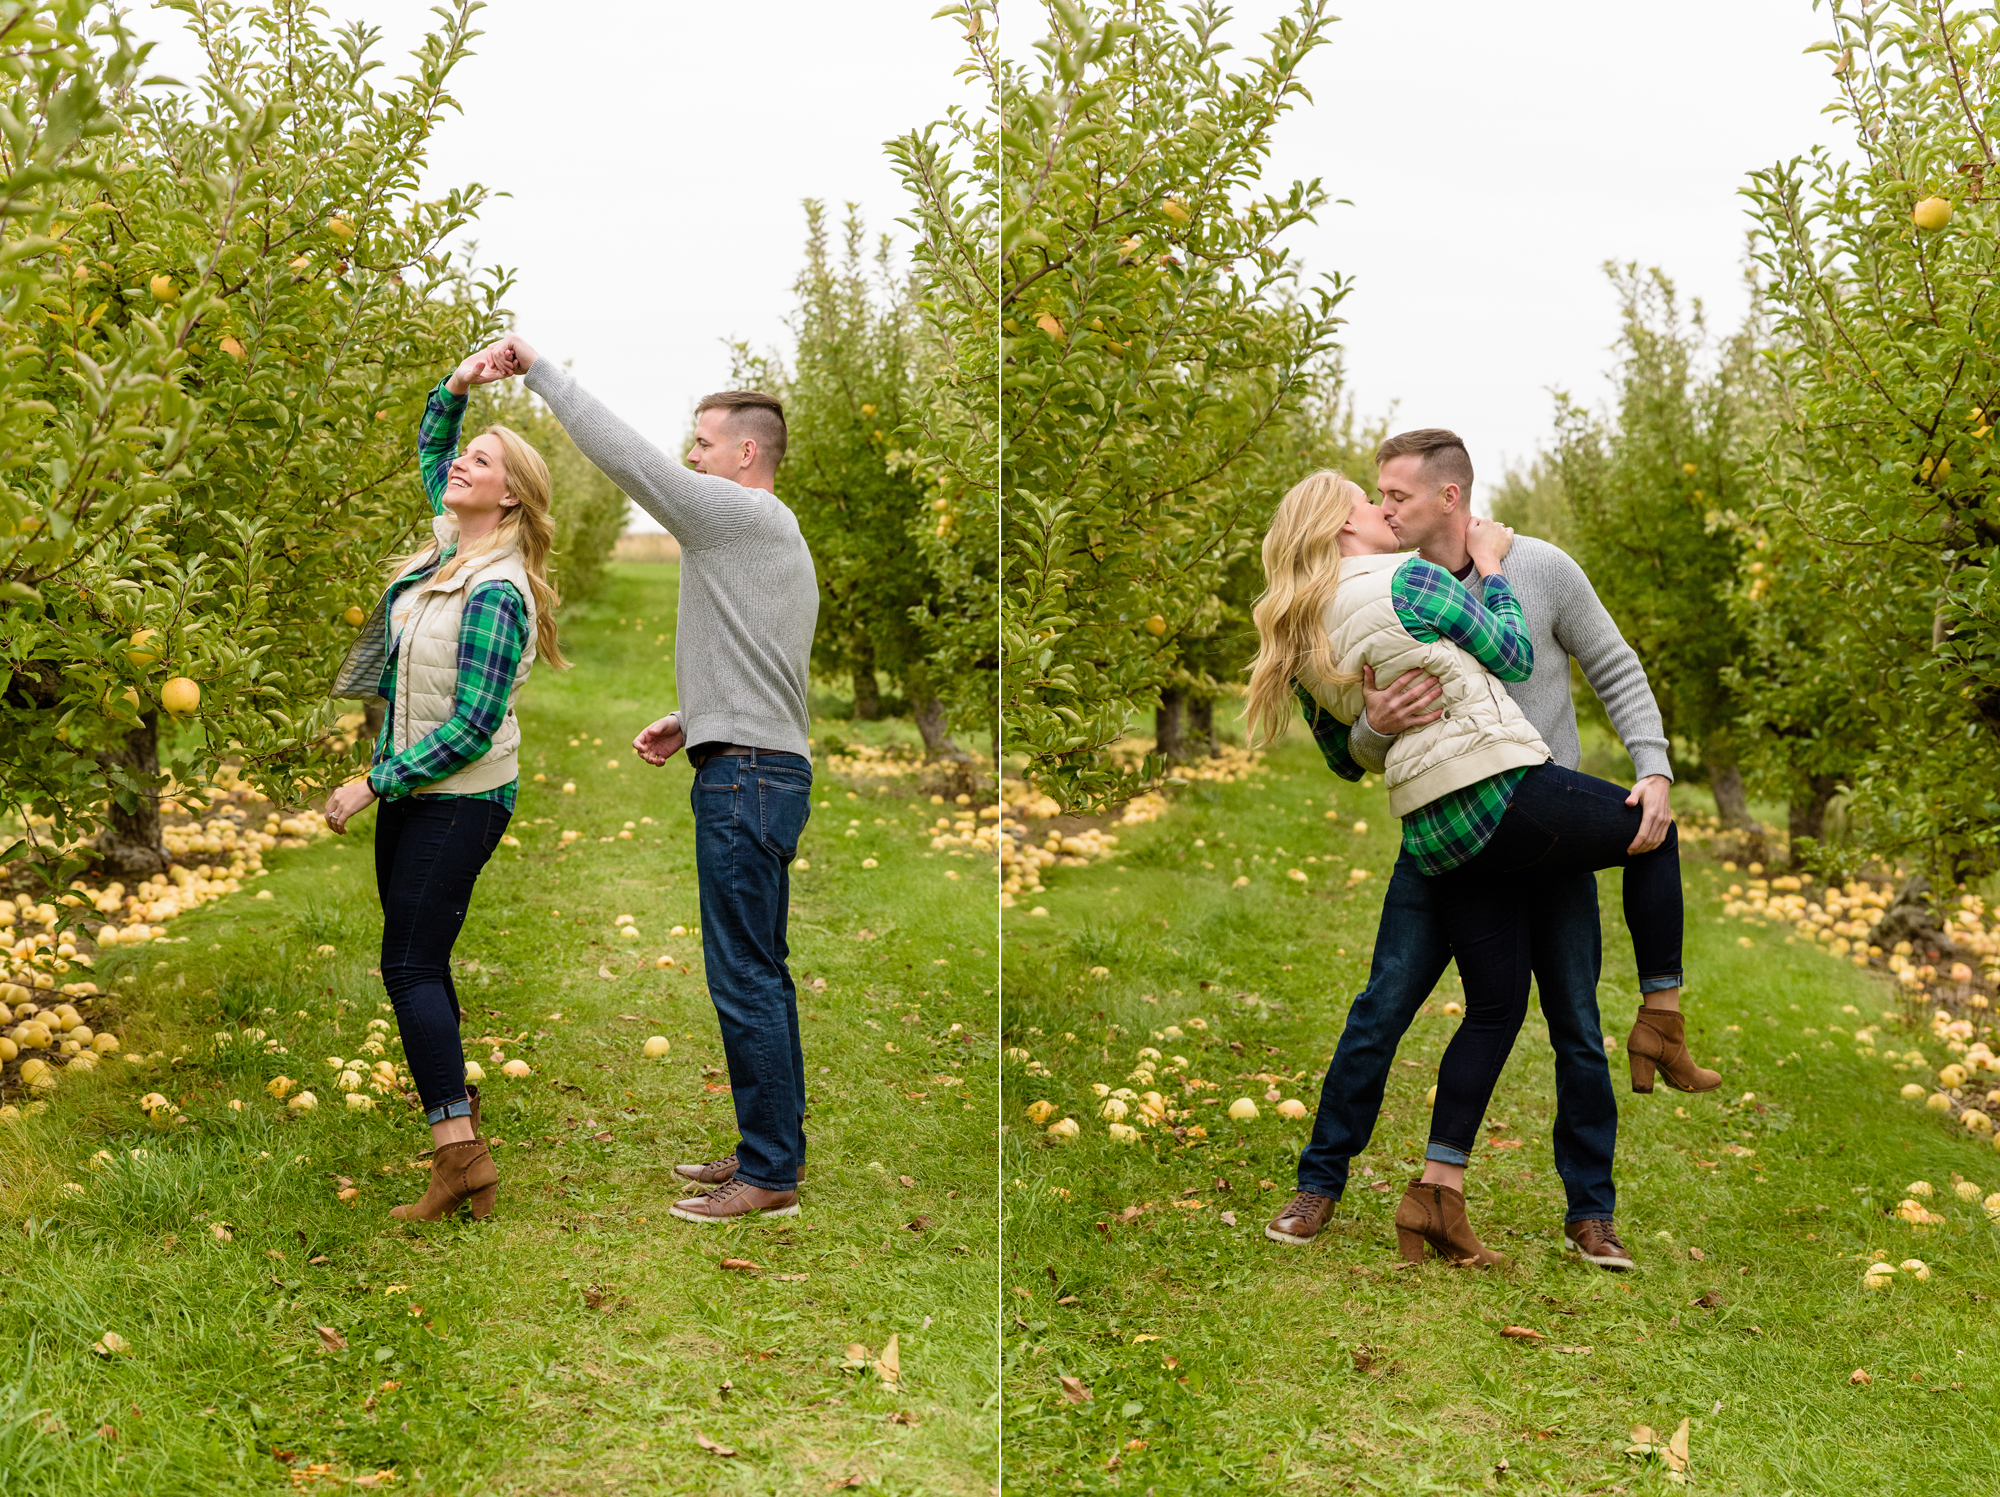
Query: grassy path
point(581, 1340)
point(1216, 1360)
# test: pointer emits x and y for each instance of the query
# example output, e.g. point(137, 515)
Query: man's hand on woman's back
point(1402, 705)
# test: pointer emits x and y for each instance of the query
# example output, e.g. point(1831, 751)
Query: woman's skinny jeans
point(429, 851)
point(1559, 822)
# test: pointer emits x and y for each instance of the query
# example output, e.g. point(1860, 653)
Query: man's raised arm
point(699, 508)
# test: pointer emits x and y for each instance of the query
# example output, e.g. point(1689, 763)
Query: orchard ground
point(1214, 1359)
point(581, 1340)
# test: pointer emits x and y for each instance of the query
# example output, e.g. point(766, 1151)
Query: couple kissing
point(1469, 632)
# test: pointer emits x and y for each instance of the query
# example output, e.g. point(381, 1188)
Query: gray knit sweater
point(1564, 619)
point(749, 599)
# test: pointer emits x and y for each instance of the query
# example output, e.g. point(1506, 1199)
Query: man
point(748, 603)
point(1425, 484)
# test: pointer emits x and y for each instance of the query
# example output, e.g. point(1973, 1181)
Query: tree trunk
point(130, 843)
point(1732, 807)
point(1808, 816)
point(932, 723)
point(1201, 726)
point(867, 690)
point(1167, 728)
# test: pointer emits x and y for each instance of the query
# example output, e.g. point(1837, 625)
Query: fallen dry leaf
point(1642, 1434)
point(1697, 1254)
point(743, 1265)
point(790, 1278)
point(221, 1232)
point(1707, 1302)
point(601, 1138)
point(1859, 1378)
point(889, 1366)
point(903, 1416)
point(711, 1446)
point(1522, 1333)
point(111, 1344)
point(1229, 1218)
point(1073, 1390)
point(920, 1224)
point(1676, 1449)
point(856, 1480)
point(609, 976)
point(593, 1298)
point(331, 1339)
point(908, 1183)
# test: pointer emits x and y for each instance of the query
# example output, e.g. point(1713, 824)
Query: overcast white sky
point(1497, 155)
point(657, 152)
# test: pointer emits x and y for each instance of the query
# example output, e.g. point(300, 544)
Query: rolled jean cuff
point(1661, 984)
point(1443, 1153)
point(462, 1108)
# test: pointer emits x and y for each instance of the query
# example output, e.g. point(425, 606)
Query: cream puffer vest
point(427, 667)
point(1482, 732)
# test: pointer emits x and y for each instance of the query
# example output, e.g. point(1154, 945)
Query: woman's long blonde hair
point(1301, 572)
point(527, 525)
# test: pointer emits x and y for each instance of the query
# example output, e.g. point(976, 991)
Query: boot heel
point(1410, 1244)
point(481, 1202)
point(1643, 1068)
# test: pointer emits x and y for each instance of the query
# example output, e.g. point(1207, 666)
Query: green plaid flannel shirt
point(1432, 604)
point(492, 635)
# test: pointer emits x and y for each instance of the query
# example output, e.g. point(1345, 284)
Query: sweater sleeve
point(1488, 625)
point(699, 508)
point(492, 635)
point(1611, 666)
point(1367, 747)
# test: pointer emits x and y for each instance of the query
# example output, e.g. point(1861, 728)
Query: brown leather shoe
point(1598, 1241)
point(737, 1198)
point(1434, 1216)
point(715, 1172)
point(1658, 1042)
point(461, 1175)
point(1300, 1222)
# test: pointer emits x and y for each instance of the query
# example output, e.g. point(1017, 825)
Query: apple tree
point(1155, 342)
point(224, 303)
point(1884, 496)
point(948, 438)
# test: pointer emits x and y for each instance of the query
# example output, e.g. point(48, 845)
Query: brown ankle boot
point(1658, 1042)
point(1435, 1215)
point(472, 1096)
point(461, 1175)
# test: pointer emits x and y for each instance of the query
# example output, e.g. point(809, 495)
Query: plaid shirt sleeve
point(1330, 733)
point(437, 441)
point(1489, 625)
point(491, 639)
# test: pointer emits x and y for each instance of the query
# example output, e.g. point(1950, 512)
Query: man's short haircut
point(1442, 457)
point(751, 413)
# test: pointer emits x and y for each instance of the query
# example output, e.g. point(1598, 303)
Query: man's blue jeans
point(1411, 953)
point(748, 814)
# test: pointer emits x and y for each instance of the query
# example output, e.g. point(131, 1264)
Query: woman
point(1484, 811)
point(448, 647)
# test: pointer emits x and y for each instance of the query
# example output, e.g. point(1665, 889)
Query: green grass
point(1243, 1365)
point(578, 1340)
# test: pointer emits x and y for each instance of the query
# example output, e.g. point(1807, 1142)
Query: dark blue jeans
point(428, 854)
point(1559, 824)
point(1411, 953)
point(748, 814)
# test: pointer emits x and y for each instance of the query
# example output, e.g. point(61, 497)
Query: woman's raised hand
point(1488, 542)
point(480, 368)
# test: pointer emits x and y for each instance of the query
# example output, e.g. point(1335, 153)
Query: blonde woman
point(1486, 815)
point(449, 647)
